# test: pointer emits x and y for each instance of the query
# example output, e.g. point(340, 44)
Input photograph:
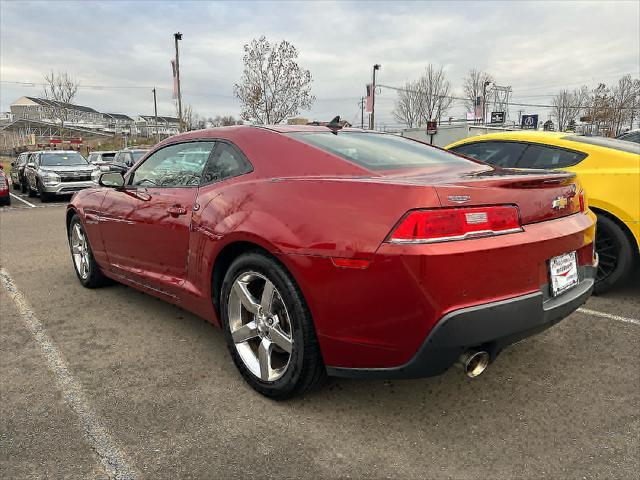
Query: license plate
point(564, 273)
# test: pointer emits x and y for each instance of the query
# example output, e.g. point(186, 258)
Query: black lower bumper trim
point(491, 327)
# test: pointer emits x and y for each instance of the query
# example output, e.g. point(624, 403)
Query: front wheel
point(44, 196)
point(268, 328)
point(615, 253)
point(84, 264)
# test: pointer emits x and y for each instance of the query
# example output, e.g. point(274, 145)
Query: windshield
point(55, 159)
point(376, 151)
point(138, 154)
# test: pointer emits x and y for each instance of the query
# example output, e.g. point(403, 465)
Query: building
point(145, 126)
point(43, 110)
point(118, 123)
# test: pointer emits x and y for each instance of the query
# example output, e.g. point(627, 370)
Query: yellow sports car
point(609, 170)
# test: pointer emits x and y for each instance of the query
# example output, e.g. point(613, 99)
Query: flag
point(478, 107)
point(175, 79)
point(369, 105)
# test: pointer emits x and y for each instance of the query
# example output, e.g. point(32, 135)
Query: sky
point(119, 50)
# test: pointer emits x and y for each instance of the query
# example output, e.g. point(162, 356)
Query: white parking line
point(22, 200)
point(112, 458)
point(609, 316)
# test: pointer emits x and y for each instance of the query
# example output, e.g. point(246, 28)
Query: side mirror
point(31, 165)
point(111, 179)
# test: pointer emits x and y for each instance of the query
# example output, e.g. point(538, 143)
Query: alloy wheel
point(260, 326)
point(80, 251)
point(608, 251)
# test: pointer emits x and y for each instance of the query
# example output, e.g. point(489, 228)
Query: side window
point(179, 165)
point(499, 154)
point(539, 156)
point(226, 162)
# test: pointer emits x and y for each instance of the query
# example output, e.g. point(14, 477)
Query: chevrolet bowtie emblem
point(559, 203)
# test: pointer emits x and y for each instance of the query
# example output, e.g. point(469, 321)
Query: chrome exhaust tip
point(474, 362)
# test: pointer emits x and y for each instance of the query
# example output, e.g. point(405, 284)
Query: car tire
point(84, 264)
point(31, 192)
point(294, 372)
point(615, 253)
point(16, 186)
point(44, 196)
point(6, 201)
point(24, 186)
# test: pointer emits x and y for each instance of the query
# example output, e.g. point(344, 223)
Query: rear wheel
point(84, 264)
point(32, 193)
point(24, 185)
point(615, 254)
point(268, 328)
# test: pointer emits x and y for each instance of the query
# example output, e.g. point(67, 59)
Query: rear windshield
point(606, 142)
point(71, 158)
point(377, 151)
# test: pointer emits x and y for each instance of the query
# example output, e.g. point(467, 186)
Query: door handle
point(176, 210)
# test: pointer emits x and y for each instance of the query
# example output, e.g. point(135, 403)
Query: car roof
point(568, 140)
point(104, 151)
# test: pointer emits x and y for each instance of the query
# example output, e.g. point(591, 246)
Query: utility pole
point(155, 113)
point(177, 37)
point(361, 105)
point(372, 119)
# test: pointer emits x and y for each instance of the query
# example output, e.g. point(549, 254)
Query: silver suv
point(58, 172)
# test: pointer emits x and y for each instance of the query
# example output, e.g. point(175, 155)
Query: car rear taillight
point(583, 201)
point(447, 224)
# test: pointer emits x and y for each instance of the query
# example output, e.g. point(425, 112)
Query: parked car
point(17, 171)
point(5, 194)
point(630, 136)
point(101, 158)
point(609, 170)
point(58, 172)
point(129, 156)
point(342, 252)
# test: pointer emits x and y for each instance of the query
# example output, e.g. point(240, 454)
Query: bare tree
point(273, 86)
point(191, 119)
point(568, 105)
point(625, 97)
point(473, 86)
point(428, 98)
point(222, 121)
point(408, 105)
point(60, 90)
point(435, 92)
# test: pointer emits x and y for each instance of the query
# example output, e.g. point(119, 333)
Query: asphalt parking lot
point(112, 383)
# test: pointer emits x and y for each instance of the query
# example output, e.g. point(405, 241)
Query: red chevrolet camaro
point(341, 252)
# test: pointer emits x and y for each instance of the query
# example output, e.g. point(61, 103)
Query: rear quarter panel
point(611, 180)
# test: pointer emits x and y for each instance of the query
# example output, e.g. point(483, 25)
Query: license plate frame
point(563, 273)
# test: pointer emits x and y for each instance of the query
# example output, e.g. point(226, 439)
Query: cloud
point(537, 48)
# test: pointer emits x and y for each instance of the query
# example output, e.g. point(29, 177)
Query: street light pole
point(372, 119)
point(155, 113)
point(484, 102)
point(177, 37)
point(361, 105)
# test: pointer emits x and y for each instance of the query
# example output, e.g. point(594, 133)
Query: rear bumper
point(491, 327)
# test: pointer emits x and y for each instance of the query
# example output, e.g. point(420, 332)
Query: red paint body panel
point(306, 206)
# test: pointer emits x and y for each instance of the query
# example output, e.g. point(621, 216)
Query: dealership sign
point(497, 117)
point(529, 122)
point(432, 127)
